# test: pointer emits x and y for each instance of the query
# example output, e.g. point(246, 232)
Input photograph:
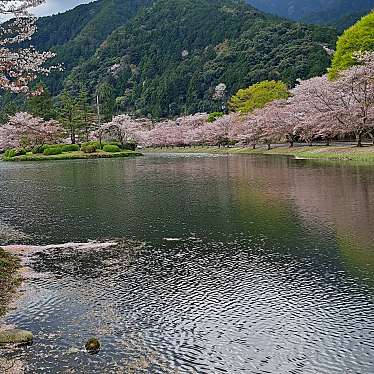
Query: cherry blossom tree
point(19, 66)
point(23, 130)
point(343, 106)
point(124, 128)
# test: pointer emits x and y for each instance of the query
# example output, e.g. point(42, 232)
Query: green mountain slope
point(316, 11)
point(76, 34)
point(169, 58)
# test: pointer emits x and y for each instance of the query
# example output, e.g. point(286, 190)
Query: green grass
point(334, 153)
point(77, 155)
point(9, 278)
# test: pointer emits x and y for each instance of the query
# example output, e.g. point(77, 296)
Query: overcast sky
point(56, 6)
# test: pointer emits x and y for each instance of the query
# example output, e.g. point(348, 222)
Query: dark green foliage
point(313, 11)
point(52, 151)
point(10, 104)
point(107, 101)
point(70, 148)
point(69, 114)
point(214, 116)
point(171, 67)
point(89, 148)
point(163, 58)
point(38, 149)
point(129, 146)
point(41, 105)
point(76, 34)
point(111, 148)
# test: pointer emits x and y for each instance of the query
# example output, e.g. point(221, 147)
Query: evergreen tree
point(107, 101)
point(9, 106)
point(41, 105)
point(69, 115)
point(86, 114)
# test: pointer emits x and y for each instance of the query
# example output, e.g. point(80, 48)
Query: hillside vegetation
point(76, 34)
point(337, 12)
point(169, 58)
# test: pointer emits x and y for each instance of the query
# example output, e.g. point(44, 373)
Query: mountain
point(76, 34)
point(172, 54)
point(316, 11)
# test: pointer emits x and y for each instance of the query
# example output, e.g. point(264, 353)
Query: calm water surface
point(272, 272)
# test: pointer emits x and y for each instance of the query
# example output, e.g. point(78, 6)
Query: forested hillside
point(170, 57)
point(76, 34)
point(339, 12)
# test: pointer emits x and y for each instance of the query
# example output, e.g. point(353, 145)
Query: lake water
point(250, 264)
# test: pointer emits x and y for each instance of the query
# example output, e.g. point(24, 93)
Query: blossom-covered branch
point(20, 65)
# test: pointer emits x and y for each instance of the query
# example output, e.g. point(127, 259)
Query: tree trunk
point(72, 135)
point(269, 146)
point(254, 146)
point(291, 143)
point(371, 134)
point(359, 139)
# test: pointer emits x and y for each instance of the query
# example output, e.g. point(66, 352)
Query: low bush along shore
point(67, 152)
point(9, 278)
point(333, 152)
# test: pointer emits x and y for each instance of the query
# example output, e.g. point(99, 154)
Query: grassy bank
point(77, 155)
point(341, 152)
point(9, 278)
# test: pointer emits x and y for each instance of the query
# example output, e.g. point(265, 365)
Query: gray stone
point(15, 336)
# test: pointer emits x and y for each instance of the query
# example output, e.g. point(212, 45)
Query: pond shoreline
point(328, 153)
point(78, 155)
point(10, 278)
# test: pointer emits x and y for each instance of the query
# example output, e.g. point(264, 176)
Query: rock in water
point(15, 336)
point(92, 345)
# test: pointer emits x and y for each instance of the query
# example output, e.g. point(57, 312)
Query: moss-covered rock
point(92, 345)
point(15, 336)
point(9, 278)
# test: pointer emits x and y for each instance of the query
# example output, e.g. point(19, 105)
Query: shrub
point(70, 148)
point(95, 143)
point(52, 151)
point(119, 145)
point(111, 148)
point(9, 153)
point(89, 148)
point(38, 149)
point(15, 152)
point(45, 146)
point(130, 146)
point(214, 116)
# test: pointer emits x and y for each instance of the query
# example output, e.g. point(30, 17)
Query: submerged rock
point(92, 345)
point(72, 350)
point(15, 336)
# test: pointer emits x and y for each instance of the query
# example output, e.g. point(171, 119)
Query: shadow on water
point(269, 267)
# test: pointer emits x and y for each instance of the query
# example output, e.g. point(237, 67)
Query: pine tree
point(86, 114)
point(41, 105)
point(107, 101)
point(69, 115)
